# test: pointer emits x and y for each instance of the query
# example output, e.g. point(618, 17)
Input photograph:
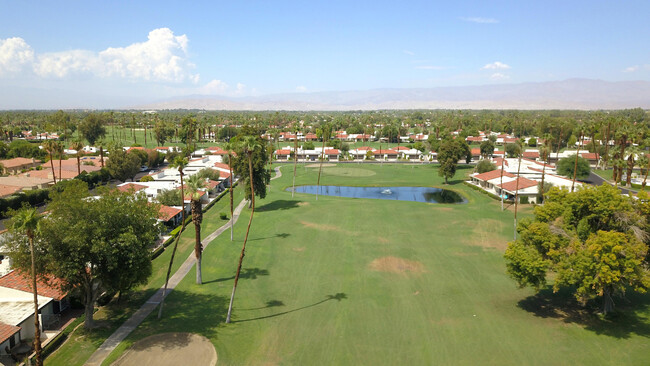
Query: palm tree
point(575, 166)
point(544, 153)
point(229, 148)
point(326, 134)
point(179, 162)
point(194, 184)
point(249, 145)
point(295, 159)
point(26, 220)
point(517, 190)
point(50, 147)
point(60, 150)
point(77, 146)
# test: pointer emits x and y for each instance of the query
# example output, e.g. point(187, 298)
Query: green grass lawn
point(343, 281)
point(81, 344)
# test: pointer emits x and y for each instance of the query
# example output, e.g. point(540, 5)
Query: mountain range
point(585, 94)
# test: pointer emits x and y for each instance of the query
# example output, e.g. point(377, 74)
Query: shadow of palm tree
point(338, 297)
point(278, 205)
point(246, 273)
point(281, 235)
point(269, 304)
point(626, 320)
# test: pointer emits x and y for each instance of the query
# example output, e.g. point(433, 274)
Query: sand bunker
point(316, 226)
point(301, 204)
point(396, 265)
point(170, 349)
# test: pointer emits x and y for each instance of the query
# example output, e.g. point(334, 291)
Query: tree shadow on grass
point(281, 235)
point(187, 311)
point(278, 205)
point(246, 273)
point(626, 320)
point(338, 297)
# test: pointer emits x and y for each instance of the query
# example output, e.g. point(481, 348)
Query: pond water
point(417, 194)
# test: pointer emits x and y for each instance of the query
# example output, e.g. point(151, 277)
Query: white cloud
point(496, 66)
point(213, 87)
point(301, 89)
point(479, 20)
point(410, 53)
point(15, 54)
point(631, 68)
point(430, 67)
point(162, 58)
point(499, 76)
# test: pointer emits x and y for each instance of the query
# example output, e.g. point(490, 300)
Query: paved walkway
point(278, 173)
point(125, 329)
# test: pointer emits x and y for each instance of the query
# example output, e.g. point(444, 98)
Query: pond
point(417, 194)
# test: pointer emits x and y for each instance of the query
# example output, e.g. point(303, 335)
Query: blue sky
point(236, 48)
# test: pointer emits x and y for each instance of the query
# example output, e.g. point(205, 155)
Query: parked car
point(144, 168)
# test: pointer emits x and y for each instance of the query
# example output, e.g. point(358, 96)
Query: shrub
point(485, 166)
point(523, 200)
point(146, 178)
point(223, 216)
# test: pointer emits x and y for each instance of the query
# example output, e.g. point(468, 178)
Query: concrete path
point(125, 329)
point(278, 173)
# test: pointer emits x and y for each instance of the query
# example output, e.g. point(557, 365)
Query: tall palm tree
point(77, 145)
point(295, 159)
point(26, 221)
point(575, 166)
point(249, 145)
point(50, 147)
point(544, 153)
point(326, 134)
point(179, 162)
point(517, 190)
point(194, 186)
point(229, 148)
point(60, 150)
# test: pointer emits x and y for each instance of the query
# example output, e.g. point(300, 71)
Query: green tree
point(123, 165)
point(78, 146)
point(591, 239)
point(92, 128)
point(170, 197)
point(566, 167)
point(249, 145)
point(163, 131)
point(485, 166)
point(26, 222)
point(449, 153)
point(532, 142)
point(487, 149)
point(194, 186)
point(100, 244)
point(513, 150)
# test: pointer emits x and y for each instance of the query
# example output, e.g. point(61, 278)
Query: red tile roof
point(131, 187)
point(224, 175)
point(332, 151)
point(6, 190)
point(365, 148)
point(22, 282)
point(384, 152)
point(523, 184)
point(476, 151)
point(590, 156)
point(167, 213)
point(498, 162)
point(221, 165)
point(16, 162)
point(531, 154)
point(400, 148)
point(474, 138)
point(282, 152)
point(6, 331)
point(493, 174)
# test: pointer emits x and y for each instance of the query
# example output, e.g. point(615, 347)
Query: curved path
point(278, 173)
point(125, 329)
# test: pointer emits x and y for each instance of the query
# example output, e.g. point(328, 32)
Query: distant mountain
point(584, 94)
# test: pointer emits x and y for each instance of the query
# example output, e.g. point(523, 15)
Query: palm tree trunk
point(320, 168)
point(37, 327)
point(232, 221)
point(171, 260)
point(295, 163)
point(52, 163)
point(243, 249)
point(198, 248)
point(101, 156)
point(517, 195)
point(60, 159)
point(501, 184)
point(645, 178)
point(78, 164)
point(575, 166)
